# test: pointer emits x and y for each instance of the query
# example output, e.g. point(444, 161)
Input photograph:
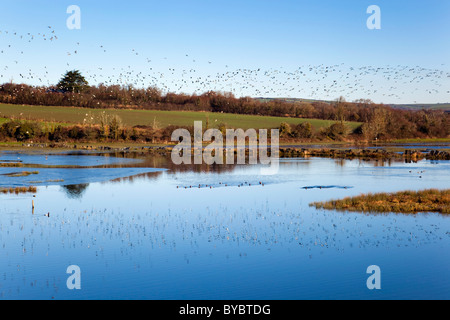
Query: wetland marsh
point(142, 228)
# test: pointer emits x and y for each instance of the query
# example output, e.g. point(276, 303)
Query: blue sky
point(221, 45)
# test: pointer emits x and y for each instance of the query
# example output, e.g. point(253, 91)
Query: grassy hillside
point(150, 117)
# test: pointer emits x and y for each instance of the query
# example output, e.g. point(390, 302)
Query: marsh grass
point(20, 174)
point(18, 190)
point(431, 200)
point(55, 180)
point(11, 164)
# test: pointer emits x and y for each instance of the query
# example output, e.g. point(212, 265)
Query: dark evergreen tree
point(72, 81)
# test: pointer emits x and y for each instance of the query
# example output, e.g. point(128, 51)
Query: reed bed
point(11, 164)
point(431, 200)
point(18, 190)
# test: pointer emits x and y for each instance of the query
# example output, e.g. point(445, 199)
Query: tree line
point(380, 122)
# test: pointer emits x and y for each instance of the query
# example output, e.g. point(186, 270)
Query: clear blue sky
point(257, 48)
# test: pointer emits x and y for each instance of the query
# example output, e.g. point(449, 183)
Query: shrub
point(20, 130)
point(337, 131)
point(285, 130)
point(302, 130)
point(57, 135)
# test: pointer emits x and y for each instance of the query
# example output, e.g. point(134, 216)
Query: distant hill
point(436, 106)
point(291, 100)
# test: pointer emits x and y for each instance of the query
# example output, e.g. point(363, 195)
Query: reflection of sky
point(51, 176)
point(147, 239)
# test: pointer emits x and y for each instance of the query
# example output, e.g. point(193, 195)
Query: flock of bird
point(192, 75)
point(223, 184)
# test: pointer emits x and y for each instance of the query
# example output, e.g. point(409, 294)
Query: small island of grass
point(401, 202)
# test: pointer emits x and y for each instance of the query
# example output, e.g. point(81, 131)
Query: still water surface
point(240, 235)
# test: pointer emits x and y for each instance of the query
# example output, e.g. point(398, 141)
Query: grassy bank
point(401, 202)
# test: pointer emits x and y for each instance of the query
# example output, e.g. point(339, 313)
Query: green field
point(70, 115)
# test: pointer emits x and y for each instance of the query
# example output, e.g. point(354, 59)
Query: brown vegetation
point(18, 190)
point(380, 122)
point(402, 202)
point(408, 155)
point(20, 174)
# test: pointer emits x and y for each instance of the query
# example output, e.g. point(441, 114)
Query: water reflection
point(75, 191)
point(141, 237)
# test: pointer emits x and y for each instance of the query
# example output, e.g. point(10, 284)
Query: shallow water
point(72, 158)
point(83, 168)
point(241, 235)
